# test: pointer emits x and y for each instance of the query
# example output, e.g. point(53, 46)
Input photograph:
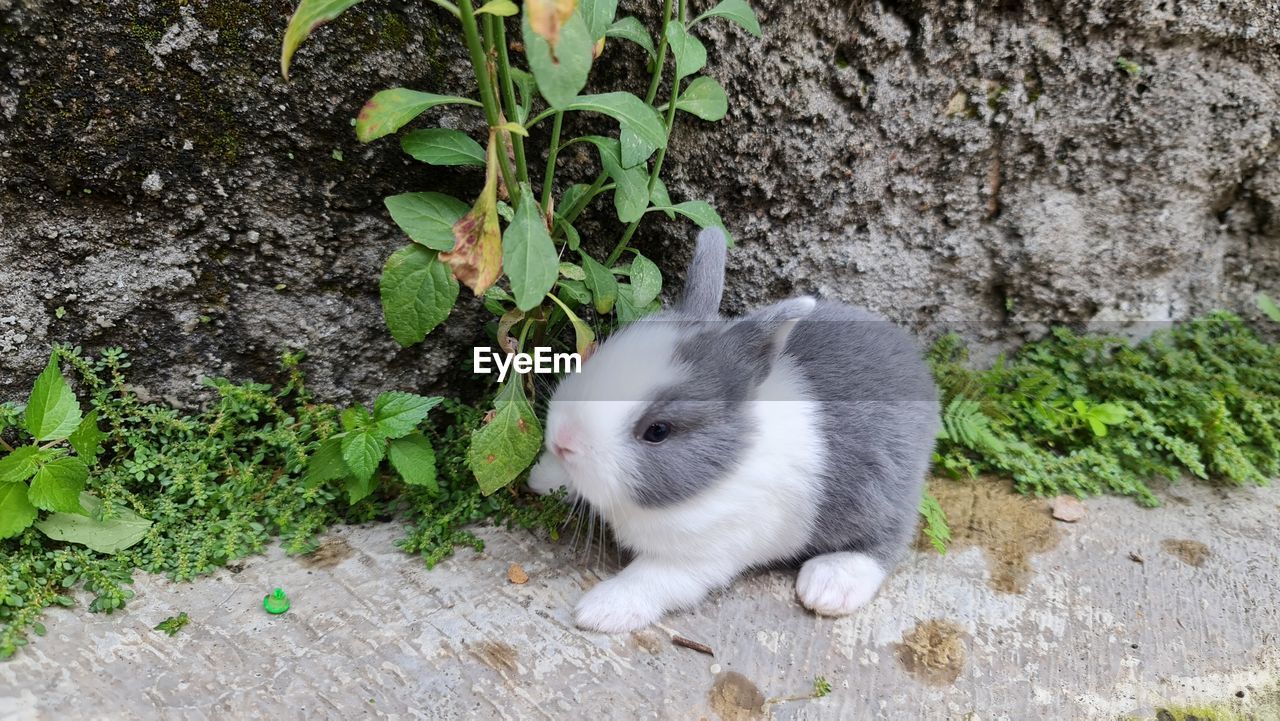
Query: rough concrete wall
point(170, 194)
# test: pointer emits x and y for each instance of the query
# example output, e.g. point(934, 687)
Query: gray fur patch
point(704, 281)
point(709, 428)
point(880, 417)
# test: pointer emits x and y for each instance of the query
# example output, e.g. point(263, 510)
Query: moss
point(1196, 713)
point(395, 34)
point(234, 19)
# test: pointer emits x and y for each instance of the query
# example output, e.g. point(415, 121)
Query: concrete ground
point(1126, 612)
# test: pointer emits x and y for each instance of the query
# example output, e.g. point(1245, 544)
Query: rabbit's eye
point(657, 432)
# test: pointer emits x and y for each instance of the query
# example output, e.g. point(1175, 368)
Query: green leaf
point(661, 198)
point(628, 309)
point(570, 233)
point(1268, 306)
point(629, 28)
point(737, 11)
point(326, 464)
point(1110, 413)
point(584, 337)
point(414, 459)
point(52, 410)
point(389, 110)
point(703, 214)
point(427, 218)
point(704, 98)
point(363, 451)
point(356, 418)
point(528, 255)
point(58, 484)
point(501, 8)
point(572, 195)
point(442, 146)
point(309, 15)
point(630, 112)
point(646, 280)
point(359, 489)
point(689, 52)
point(562, 73)
point(506, 446)
point(935, 522)
point(599, 16)
point(417, 291)
point(635, 150)
point(601, 283)
point(631, 185)
point(16, 512)
point(173, 624)
point(572, 272)
point(576, 290)
point(396, 414)
point(87, 438)
point(525, 83)
point(110, 536)
point(19, 465)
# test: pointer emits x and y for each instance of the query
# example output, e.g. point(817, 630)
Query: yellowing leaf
point(388, 110)
point(516, 128)
point(547, 16)
point(476, 258)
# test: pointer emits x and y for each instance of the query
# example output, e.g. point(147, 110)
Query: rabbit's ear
point(762, 336)
point(704, 281)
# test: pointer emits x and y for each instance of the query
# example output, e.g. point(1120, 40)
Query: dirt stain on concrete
point(496, 655)
point(648, 642)
point(1192, 553)
point(933, 652)
point(330, 553)
point(735, 698)
point(1007, 526)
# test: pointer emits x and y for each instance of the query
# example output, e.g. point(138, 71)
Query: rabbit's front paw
point(616, 606)
point(548, 474)
point(836, 584)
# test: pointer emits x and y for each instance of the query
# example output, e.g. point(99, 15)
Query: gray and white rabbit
point(800, 433)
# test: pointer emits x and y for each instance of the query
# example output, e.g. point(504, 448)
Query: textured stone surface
point(1095, 634)
point(160, 183)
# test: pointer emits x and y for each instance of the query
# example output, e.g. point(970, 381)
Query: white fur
point(599, 408)
point(836, 584)
point(763, 512)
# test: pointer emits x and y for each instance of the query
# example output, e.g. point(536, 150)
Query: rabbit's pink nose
point(564, 442)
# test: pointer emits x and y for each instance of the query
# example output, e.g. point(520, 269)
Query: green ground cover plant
point(92, 490)
point(1091, 414)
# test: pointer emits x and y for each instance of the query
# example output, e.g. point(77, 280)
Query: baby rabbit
point(801, 432)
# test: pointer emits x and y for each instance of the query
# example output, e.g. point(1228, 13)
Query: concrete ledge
point(1113, 620)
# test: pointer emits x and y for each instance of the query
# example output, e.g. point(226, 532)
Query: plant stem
point(596, 188)
point(480, 63)
point(509, 94)
point(668, 122)
point(654, 81)
point(552, 150)
point(661, 58)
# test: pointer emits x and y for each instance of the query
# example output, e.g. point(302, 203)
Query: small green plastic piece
point(276, 602)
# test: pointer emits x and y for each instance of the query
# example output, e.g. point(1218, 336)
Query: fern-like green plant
point(1095, 414)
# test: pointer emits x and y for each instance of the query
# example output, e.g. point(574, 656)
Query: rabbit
point(800, 433)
